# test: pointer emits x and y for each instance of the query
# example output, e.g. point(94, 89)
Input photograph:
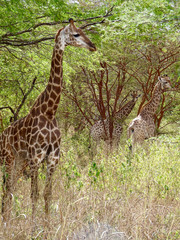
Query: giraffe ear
point(159, 78)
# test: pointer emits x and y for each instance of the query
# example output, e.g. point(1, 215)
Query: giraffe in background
point(101, 129)
point(36, 137)
point(143, 126)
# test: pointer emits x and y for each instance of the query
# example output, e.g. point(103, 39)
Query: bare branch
point(7, 107)
point(22, 43)
point(15, 113)
point(91, 24)
point(24, 98)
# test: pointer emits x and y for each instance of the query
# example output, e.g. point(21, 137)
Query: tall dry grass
point(136, 195)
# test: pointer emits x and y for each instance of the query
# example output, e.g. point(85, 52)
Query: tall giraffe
point(143, 126)
point(101, 129)
point(36, 137)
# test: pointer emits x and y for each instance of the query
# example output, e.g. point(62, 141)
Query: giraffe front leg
point(51, 165)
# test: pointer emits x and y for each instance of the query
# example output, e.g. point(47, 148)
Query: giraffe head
point(135, 95)
point(70, 35)
point(164, 82)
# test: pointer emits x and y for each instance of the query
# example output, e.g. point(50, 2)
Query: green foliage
point(18, 14)
point(152, 171)
point(71, 171)
point(131, 29)
point(22, 15)
point(94, 172)
point(19, 70)
point(17, 205)
point(140, 24)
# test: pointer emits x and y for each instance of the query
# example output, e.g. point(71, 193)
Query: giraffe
point(36, 137)
point(143, 126)
point(101, 129)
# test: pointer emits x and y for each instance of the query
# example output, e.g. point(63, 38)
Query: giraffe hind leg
point(34, 190)
point(7, 189)
point(6, 199)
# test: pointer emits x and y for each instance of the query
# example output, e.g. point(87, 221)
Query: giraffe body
point(143, 126)
point(29, 146)
point(36, 137)
point(101, 129)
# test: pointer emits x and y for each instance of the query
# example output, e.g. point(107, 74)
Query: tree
point(101, 95)
point(124, 32)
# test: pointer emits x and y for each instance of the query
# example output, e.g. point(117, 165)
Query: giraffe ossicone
point(36, 137)
point(143, 126)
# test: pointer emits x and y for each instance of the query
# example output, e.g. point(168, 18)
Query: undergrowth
point(136, 193)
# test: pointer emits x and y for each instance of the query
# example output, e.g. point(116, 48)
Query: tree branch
point(15, 113)
point(8, 107)
point(24, 98)
point(5, 40)
point(21, 43)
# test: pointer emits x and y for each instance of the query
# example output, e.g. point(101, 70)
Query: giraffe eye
point(76, 35)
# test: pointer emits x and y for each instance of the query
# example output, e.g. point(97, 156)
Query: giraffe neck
point(125, 110)
point(151, 106)
point(47, 102)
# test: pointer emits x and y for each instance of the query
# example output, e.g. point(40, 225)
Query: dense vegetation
point(137, 41)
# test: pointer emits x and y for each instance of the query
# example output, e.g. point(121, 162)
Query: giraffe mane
point(142, 107)
point(58, 34)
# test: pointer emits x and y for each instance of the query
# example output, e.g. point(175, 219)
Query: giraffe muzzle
point(92, 47)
